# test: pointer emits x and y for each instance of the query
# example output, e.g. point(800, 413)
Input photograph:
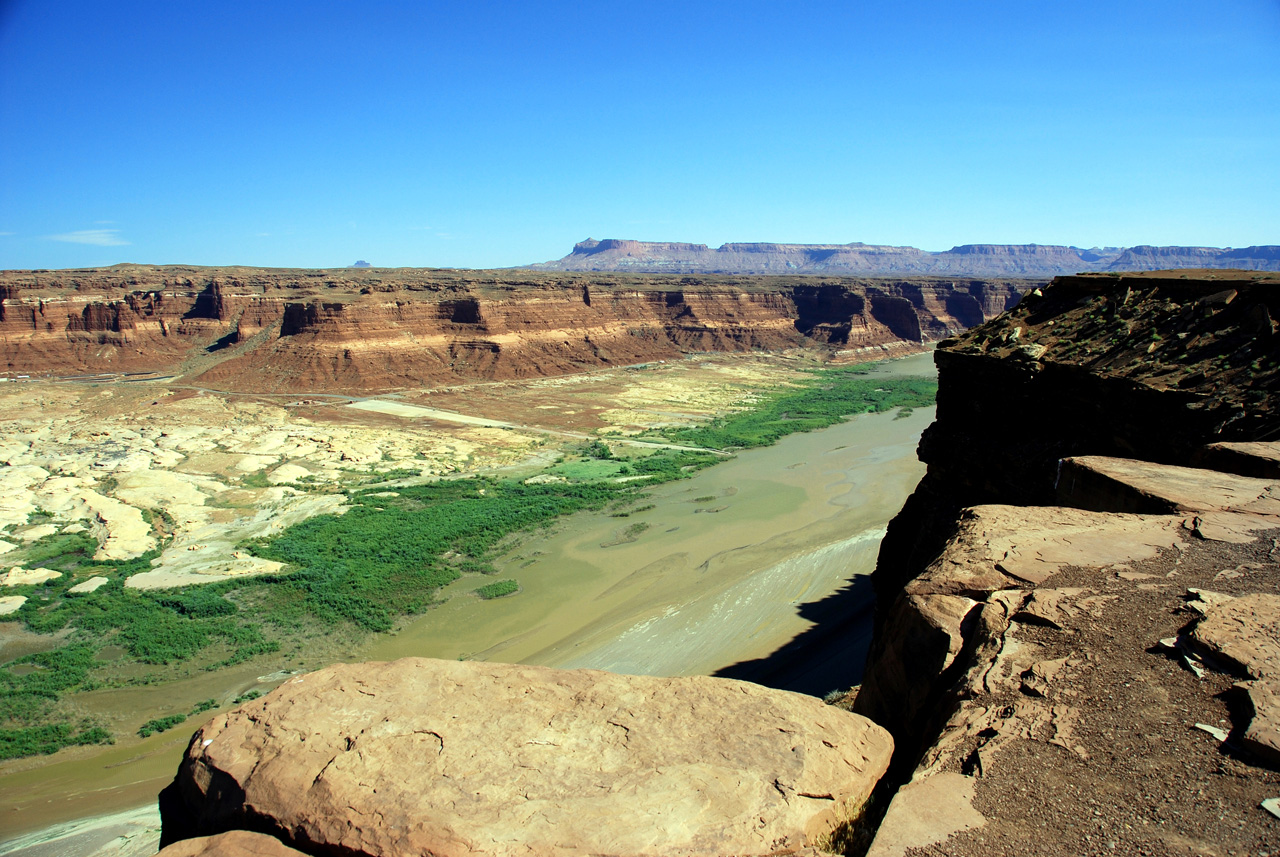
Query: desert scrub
point(50, 738)
point(826, 398)
point(161, 724)
point(497, 589)
point(202, 707)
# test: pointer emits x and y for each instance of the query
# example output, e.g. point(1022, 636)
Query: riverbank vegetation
point(386, 557)
point(829, 397)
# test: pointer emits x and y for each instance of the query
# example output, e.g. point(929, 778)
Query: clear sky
point(476, 134)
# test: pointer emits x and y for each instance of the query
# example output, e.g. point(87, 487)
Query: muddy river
point(722, 574)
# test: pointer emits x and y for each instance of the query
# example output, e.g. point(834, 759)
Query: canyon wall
point(1150, 365)
point(368, 330)
point(966, 260)
point(1101, 475)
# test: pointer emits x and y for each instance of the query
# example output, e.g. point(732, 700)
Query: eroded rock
point(425, 756)
point(233, 843)
point(1242, 634)
point(1262, 736)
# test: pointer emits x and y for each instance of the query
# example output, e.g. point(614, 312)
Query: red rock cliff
point(374, 329)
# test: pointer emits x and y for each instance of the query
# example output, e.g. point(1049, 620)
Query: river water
point(720, 574)
point(733, 566)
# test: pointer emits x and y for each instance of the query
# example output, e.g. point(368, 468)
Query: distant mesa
point(360, 263)
point(1033, 261)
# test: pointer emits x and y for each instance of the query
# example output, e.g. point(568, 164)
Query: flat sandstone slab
point(1106, 484)
point(423, 756)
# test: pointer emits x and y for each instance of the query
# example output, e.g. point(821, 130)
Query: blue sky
point(493, 134)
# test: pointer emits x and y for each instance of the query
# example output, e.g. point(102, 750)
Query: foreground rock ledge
point(435, 757)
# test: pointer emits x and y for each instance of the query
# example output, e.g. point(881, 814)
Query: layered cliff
point(1151, 365)
point(363, 330)
point(1086, 573)
point(966, 260)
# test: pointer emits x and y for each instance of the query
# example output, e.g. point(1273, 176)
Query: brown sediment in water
point(784, 503)
point(790, 503)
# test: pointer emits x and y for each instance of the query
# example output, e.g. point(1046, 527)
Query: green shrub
point(49, 738)
point(497, 589)
point(161, 724)
point(828, 397)
point(202, 707)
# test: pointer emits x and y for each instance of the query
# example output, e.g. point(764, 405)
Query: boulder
point(424, 756)
point(234, 843)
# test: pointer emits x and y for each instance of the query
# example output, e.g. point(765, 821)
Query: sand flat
point(400, 409)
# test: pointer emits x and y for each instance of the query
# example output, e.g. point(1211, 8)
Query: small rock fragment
point(1036, 680)
point(1212, 730)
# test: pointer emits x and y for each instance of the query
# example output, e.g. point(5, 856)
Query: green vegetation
point(202, 707)
point(377, 562)
point(585, 471)
point(355, 573)
point(497, 589)
point(161, 724)
point(832, 395)
point(50, 738)
point(155, 628)
point(599, 449)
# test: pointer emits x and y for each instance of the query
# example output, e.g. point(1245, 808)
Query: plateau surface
point(877, 260)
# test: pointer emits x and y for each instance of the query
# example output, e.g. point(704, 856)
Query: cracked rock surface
point(423, 756)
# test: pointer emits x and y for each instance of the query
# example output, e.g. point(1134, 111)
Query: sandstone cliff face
point(967, 260)
point(1102, 474)
point(364, 330)
point(1152, 366)
point(466, 758)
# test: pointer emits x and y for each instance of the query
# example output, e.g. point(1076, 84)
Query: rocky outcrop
point(1147, 366)
point(233, 843)
point(1090, 650)
point(365, 330)
point(450, 758)
point(967, 260)
point(1077, 630)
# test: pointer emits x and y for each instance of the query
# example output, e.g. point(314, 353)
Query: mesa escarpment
point(879, 260)
point(1077, 623)
point(362, 330)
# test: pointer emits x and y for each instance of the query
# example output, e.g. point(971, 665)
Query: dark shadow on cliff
point(829, 656)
